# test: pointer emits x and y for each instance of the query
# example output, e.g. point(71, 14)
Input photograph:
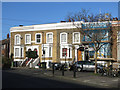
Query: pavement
point(82, 80)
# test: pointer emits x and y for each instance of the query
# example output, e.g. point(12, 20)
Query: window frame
point(64, 52)
point(16, 40)
point(47, 37)
point(47, 53)
point(25, 39)
point(61, 38)
point(74, 37)
point(36, 38)
point(19, 56)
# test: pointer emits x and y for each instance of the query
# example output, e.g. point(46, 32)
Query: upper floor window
point(49, 37)
point(63, 38)
point(38, 38)
point(76, 37)
point(17, 39)
point(27, 38)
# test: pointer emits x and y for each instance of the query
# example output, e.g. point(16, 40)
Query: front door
point(79, 55)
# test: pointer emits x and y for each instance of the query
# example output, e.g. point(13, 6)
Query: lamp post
point(65, 59)
point(43, 50)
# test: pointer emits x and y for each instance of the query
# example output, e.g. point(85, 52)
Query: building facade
point(5, 47)
point(56, 42)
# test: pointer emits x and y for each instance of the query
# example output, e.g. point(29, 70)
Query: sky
point(30, 13)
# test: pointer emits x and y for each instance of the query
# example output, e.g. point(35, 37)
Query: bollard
point(62, 70)
point(74, 72)
point(53, 68)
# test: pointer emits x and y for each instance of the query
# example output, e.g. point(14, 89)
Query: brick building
point(60, 41)
point(5, 47)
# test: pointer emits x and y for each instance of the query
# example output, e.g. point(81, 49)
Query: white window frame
point(25, 39)
point(19, 47)
point(61, 37)
point(47, 54)
point(19, 39)
point(36, 38)
point(74, 37)
point(47, 37)
point(68, 54)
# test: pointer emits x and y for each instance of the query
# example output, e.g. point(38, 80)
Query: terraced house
point(55, 42)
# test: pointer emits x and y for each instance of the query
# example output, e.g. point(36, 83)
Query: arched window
point(17, 39)
point(63, 37)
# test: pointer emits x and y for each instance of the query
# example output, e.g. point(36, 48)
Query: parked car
point(87, 66)
point(57, 66)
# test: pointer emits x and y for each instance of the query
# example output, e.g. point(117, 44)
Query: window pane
point(17, 39)
point(49, 37)
point(27, 38)
point(49, 51)
point(64, 52)
point(38, 40)
point(38, 35)
point(16, 51)
point(63, 38)
point(76, 37)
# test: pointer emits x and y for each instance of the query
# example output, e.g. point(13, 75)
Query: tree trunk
point(95, 62)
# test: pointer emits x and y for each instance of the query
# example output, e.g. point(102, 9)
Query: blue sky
point(29, 13)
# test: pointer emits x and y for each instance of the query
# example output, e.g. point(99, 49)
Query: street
point(38, 78)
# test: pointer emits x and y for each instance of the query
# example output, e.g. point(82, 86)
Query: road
point(30, 78)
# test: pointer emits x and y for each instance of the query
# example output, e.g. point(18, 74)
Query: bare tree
point(94, 31)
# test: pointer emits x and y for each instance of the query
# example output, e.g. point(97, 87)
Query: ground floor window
point(64, 52)
point(47, 50)
point(18, 51)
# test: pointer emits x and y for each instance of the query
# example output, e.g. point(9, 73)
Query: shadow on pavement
point(13, 80)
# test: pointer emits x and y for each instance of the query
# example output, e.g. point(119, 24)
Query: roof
point(55, 26)
point(5, 41)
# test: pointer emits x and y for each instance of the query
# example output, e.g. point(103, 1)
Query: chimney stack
point(20, 25)
point(8, 35)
